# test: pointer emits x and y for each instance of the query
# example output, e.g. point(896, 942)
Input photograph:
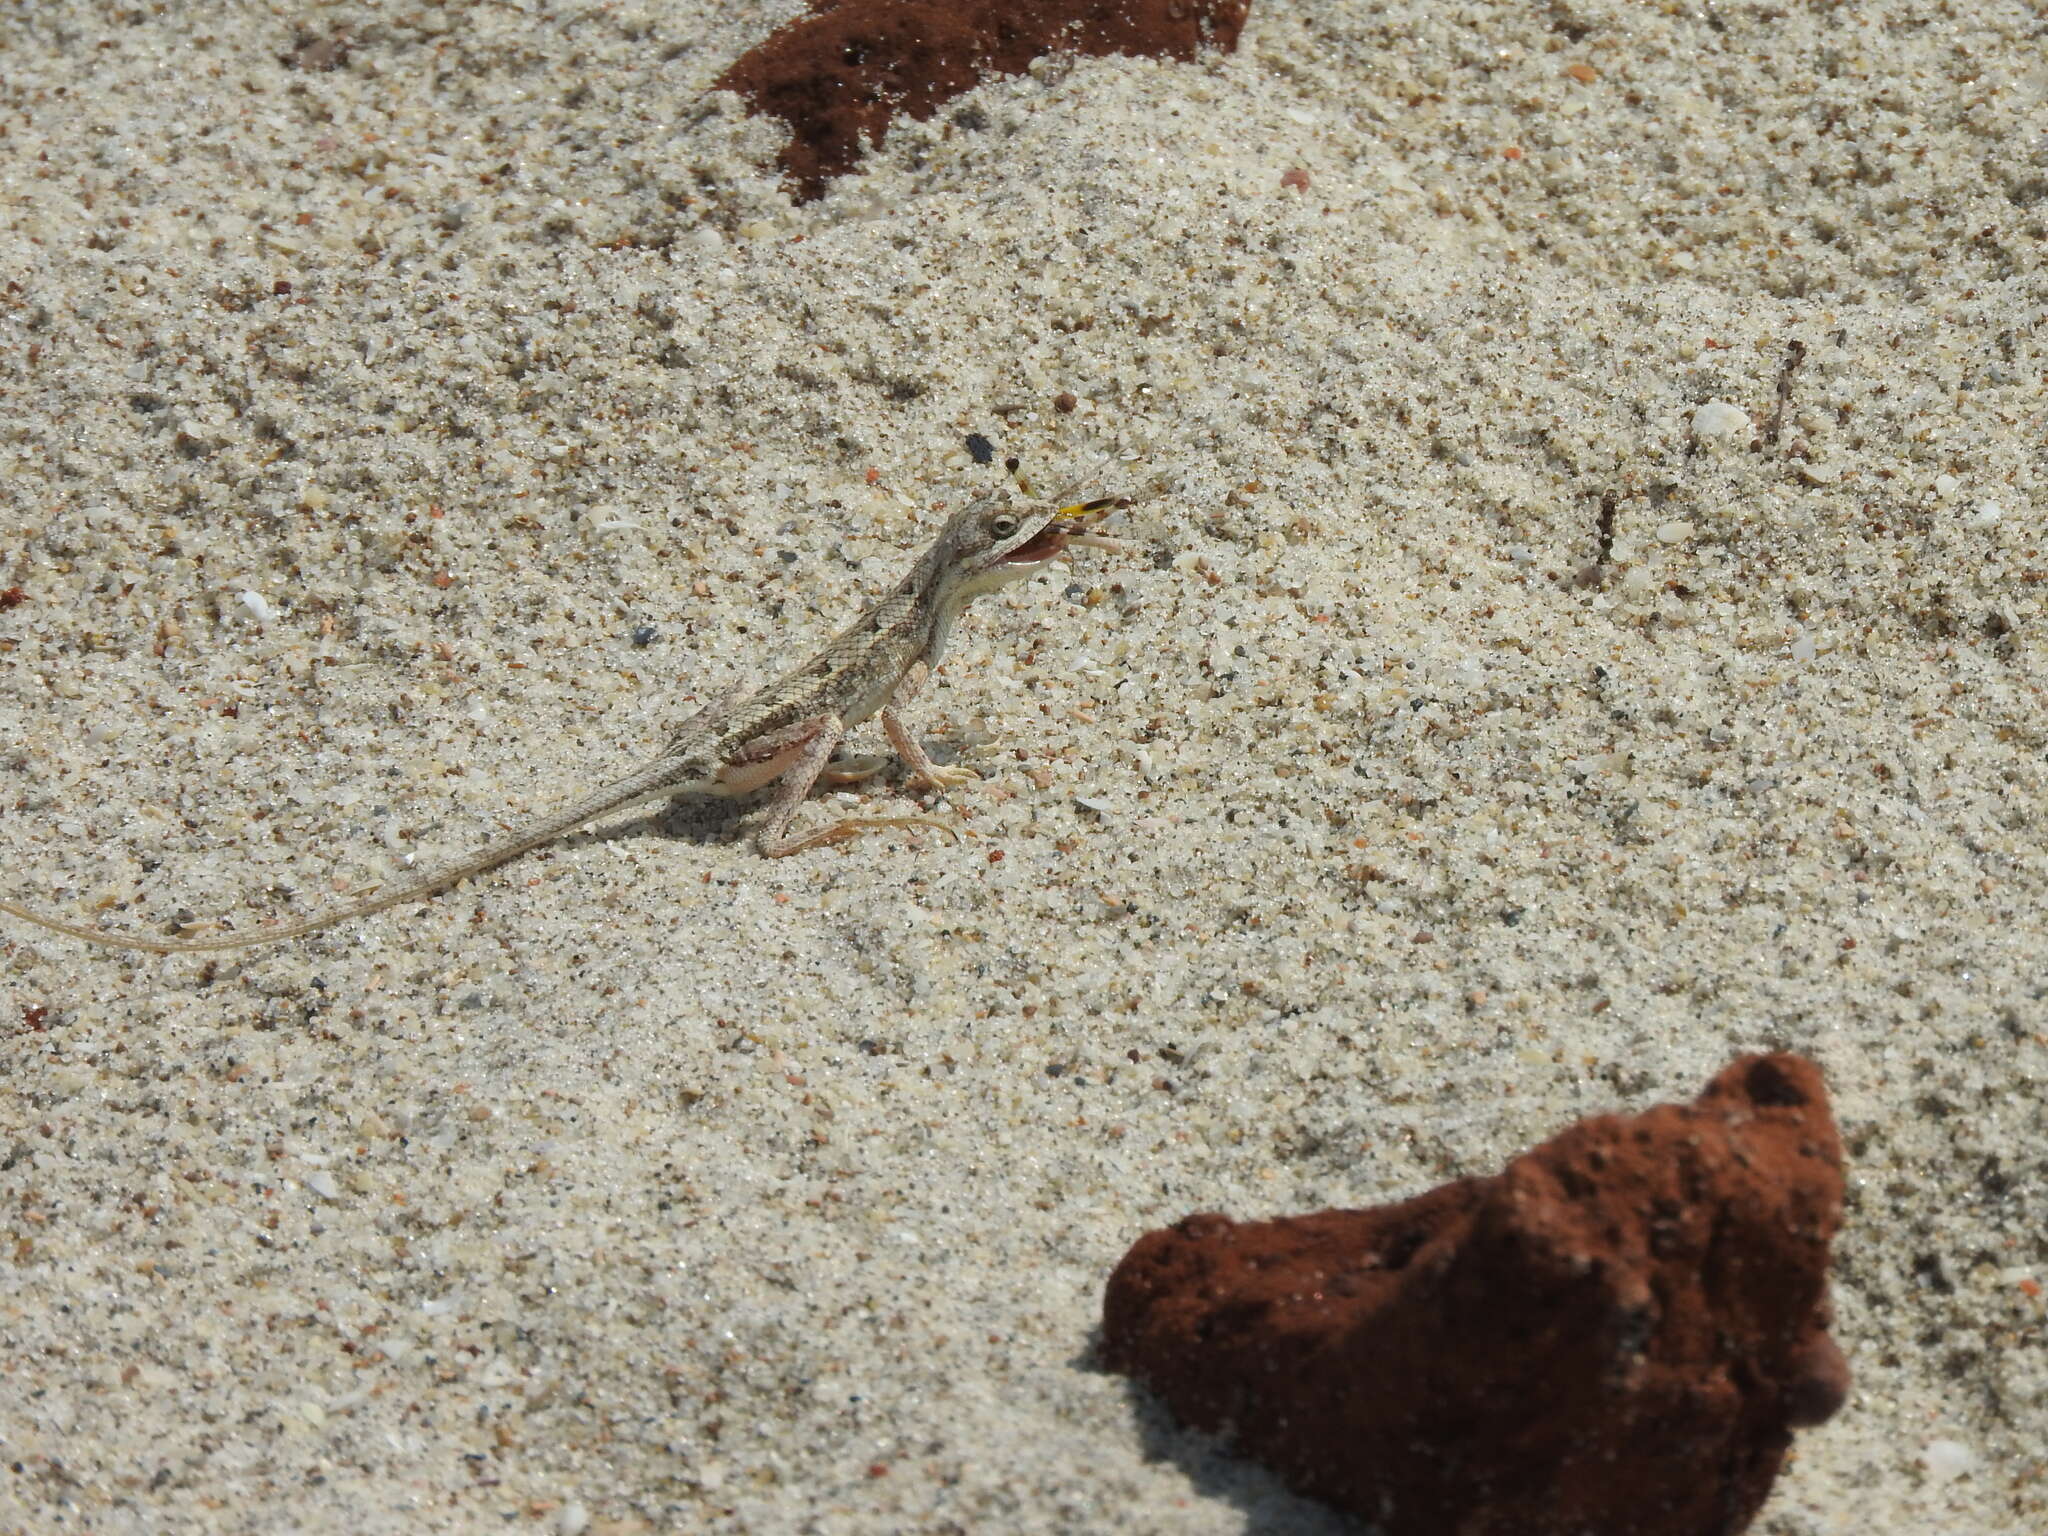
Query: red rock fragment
point(840, 75)
point(1613, 1335)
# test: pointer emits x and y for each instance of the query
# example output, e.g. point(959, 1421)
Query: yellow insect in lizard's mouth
point(1069, 525)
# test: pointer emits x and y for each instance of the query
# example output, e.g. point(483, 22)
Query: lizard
point(787, 730)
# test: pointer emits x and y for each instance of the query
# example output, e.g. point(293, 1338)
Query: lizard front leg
point(797, 755)
point(907, 746)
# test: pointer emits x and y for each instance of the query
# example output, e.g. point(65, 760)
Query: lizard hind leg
point(799, 755)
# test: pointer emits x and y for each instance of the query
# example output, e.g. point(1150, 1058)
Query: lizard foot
point(851, 770)
point(945, 778)
point(841, 831)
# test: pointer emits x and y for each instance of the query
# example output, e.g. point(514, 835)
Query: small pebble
point(1717, 418)
point(258, 606)
point(1947, 1460)
point(644, 635)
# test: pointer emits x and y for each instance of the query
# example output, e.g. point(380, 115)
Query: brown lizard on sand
point(741, 742)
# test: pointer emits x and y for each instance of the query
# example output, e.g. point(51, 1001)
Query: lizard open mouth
point(1048, 542)
point(1069, 525)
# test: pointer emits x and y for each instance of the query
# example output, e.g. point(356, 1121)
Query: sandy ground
point(1532, 683)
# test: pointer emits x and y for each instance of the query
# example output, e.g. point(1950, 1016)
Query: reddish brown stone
point(840, 75)
point(1613, 1335)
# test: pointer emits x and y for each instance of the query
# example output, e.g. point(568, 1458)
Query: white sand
point(648, 1185)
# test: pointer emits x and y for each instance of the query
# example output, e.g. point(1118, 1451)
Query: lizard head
point(991, 546)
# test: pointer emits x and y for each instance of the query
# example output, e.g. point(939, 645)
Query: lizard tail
point(661, 776)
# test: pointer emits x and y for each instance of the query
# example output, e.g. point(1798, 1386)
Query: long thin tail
point(662, 775)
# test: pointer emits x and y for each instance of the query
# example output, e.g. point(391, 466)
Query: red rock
point(1615, 1334)
point(840, 75)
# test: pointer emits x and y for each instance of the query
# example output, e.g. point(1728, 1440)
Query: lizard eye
point(1002, 525)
